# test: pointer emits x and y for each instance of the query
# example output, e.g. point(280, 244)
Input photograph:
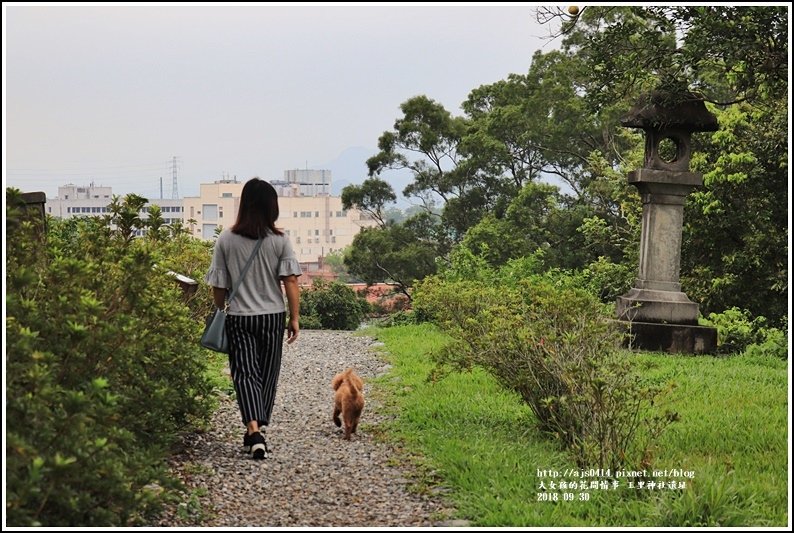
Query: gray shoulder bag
point(214, 337)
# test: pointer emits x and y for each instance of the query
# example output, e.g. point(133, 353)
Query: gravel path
point(312, 476)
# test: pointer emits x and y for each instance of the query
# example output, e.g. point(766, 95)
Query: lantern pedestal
point(658, 314)
point(670, 338)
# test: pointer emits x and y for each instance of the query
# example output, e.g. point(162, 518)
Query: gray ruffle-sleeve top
point(260, 292)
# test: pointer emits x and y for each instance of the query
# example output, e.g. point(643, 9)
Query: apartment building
point(316, 224)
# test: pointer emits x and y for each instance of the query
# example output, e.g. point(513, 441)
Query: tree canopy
point(559, 123)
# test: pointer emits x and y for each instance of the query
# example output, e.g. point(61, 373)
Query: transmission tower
point(174, 165)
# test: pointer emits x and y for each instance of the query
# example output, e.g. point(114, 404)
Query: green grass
point(480, 443)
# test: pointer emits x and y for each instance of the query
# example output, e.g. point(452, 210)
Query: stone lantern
point(661, 317)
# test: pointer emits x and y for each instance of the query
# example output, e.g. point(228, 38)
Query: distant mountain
point(350, 167)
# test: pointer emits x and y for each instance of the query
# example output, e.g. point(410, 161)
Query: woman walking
point(256, 315)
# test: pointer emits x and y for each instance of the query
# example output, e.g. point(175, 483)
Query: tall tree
point(370, 197)
point(734, 251)
point(735, 248)
point(729, 53)
point(426, 141)
point(398, 254)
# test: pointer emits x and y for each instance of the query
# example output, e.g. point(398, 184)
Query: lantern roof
point(658, 110)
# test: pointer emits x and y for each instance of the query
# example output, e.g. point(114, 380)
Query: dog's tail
point(353, 389)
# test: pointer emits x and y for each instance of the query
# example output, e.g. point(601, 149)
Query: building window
point(226, 195)
point(208, 231)
point(316, 214)
point(210, 211)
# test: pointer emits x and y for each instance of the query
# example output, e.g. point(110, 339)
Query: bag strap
point(245, 271)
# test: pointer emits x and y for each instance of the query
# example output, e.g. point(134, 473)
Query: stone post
point(660, 315)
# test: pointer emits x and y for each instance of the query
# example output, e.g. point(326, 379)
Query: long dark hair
point(258, 210)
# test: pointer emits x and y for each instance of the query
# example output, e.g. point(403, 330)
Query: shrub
point(737, 331)
point(774, 345)
point(310, 321)
point(333, 305)
point(103, 372)
point(608, 280)
point(554, 346)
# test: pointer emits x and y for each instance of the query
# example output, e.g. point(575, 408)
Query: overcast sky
point(110, 93)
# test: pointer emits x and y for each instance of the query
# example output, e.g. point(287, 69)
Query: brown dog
point(348, 400)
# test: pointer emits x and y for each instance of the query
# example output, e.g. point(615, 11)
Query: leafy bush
point(103, 371)
point(550, 342)
point(332, 305)
point(775, 344)
point(602, 278)
point(737, 330)
point(608, 280)
point(310, 321)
